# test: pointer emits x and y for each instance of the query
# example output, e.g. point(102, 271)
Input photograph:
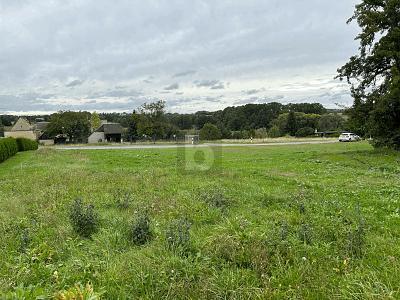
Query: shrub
point(8, 148)
point(178, 235)
point(84, 219)
point(305, 131)
point(26, 144)
point(210, 132)
point(260, 133)
point(274, 132)
point(140, 231)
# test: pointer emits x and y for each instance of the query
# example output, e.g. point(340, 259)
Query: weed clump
point(305, 233)
point(216, 199)
point(122, 199)
point(84, 219)
point(25, 240)
point(141, 232)
point(178, 235)
point(79, 292)
point(356, 237)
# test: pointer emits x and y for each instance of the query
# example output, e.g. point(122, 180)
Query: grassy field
point(283, 222)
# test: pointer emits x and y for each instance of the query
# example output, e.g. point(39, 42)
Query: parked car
point(349, 137)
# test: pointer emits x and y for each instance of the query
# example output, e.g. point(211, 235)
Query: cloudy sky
point(196, 55)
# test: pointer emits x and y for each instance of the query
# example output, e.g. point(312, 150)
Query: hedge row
point(8, 148)
point(26, 144)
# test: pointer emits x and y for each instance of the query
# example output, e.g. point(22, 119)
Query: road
point(128, 147)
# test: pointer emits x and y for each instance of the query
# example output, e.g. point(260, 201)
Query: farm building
point(107, 132)
point(21, 128)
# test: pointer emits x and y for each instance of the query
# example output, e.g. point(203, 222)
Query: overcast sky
point(196, 55)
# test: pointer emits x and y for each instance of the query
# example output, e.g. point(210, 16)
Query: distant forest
point(250, 120)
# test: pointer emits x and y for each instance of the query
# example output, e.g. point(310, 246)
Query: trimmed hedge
point(26, 144)
point(8, 148)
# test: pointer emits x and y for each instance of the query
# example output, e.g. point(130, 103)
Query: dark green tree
point(76, 125)
point(210, 132)
point(152, 121)
point(330, 122)
point(291, 124)
point(374, 73)
point(1, 128)
point(305, 131)
point(132, 132)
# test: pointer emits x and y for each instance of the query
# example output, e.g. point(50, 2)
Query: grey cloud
point(185, 73)
point(73, 83)
point(149, 79)
point(212, 84)
point(118, 93)
point(219, 86)
point(206, 83)
point(258, 100)
point(213, 99)
point(253, 91)
point(171, 87)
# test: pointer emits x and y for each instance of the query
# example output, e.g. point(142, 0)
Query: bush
point(140, 230)
point(84, 219)
point(305, 131)
point(261, 133)
point(8, 148)
point(210, 132)
point(178, 236)
point(26, 144)
point(274, 132)
point(238, 135)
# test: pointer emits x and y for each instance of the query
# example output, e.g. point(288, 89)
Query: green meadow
point(267, 222)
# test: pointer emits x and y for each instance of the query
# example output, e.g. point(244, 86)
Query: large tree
point(374, 73)
point(152, 121)
point(291, 123)
point(76, 125)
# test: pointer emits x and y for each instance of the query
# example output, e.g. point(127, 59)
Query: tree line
point(151, 121)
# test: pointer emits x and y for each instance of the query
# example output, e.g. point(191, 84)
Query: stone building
point(22, 128)
point(108, 132)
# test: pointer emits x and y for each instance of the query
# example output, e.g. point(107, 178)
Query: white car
point(349, 137)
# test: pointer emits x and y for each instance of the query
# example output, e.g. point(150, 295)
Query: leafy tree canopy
point(95, 121)
point(374, 73)
point(76, 125)
point(210, 132)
